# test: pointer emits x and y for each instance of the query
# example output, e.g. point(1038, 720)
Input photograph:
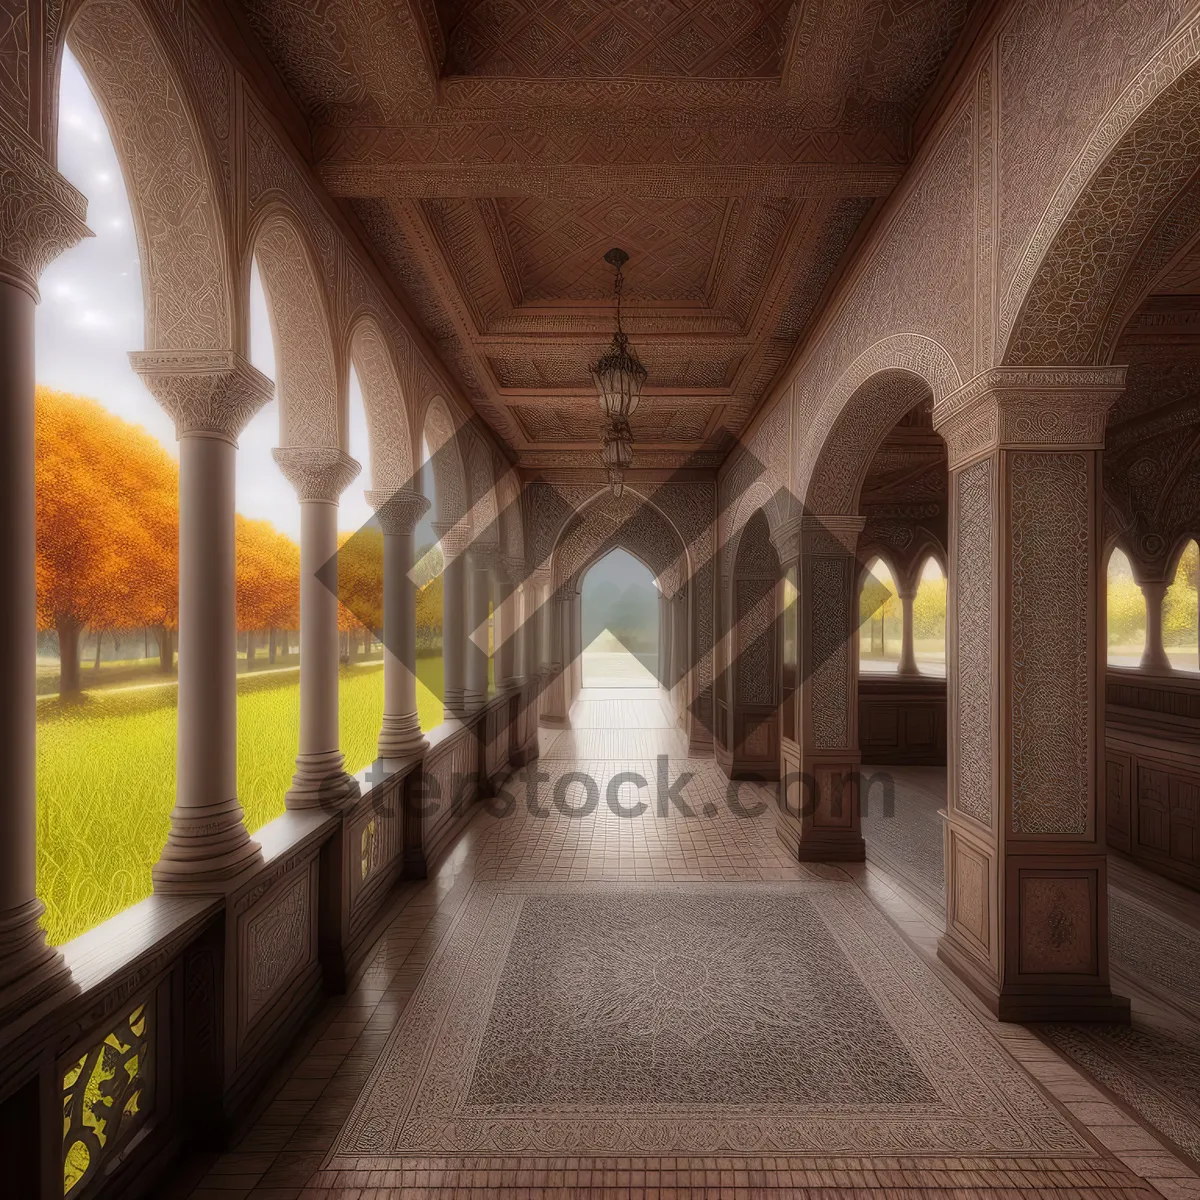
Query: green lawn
point(106, 779)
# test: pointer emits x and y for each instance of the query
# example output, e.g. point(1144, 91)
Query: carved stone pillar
point(531, 628)
point(400, 735)
point(908, 657)
point(479, 594)
point(574, 647)
point(821, 818)
point(210, 395)
point(44, 218)
point(664, 634)
point(1154, 656)
point(786, 540)
point(510, 632)
point(541, 638)
point(681, 664)
point(555, 707)
point(454, 619)
point(319, 475)
point(1026, 872)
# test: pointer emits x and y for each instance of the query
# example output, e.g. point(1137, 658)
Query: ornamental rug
point(705, 1019)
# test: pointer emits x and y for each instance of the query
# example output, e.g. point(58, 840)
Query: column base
point(207, 846)
point(1027, 1002)
point(474, 700)
point(31, 972)
point(401, 736)
point(321, 782)
point(819, 845)
point(554, 721)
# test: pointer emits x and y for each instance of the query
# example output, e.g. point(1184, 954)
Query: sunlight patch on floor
point(607, 663)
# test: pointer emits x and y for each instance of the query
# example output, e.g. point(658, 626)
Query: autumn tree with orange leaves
point(107, 529)
point(267, 574)
point(107, 525)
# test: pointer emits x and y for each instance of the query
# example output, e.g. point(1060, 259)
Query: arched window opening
point(1126, 613)
point(106, 479)
point(929, 619)
point(1180, 612)
point(620, 603)
point(880, 629)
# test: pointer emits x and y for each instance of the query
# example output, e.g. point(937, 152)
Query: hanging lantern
point(618, 375)
point(617, 455)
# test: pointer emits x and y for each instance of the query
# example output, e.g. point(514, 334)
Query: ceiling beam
point(405, 181)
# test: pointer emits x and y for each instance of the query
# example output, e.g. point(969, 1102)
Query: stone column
point(664, 660)
point(555, 709)
point(1154, 656)
point(400, 735)
point(319, 474)
point(822, 816)
point(539, 638)
point(479, 591)
point(1026, 869)
point(574, 646)
point(454, 618)
point(211, 395)
point(908, 657)
point(509, 661)
point(45, 218)
point(786, 540)
point(681, 667)
point(531, 629)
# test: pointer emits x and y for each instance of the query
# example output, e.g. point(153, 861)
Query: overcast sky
point(91, 316)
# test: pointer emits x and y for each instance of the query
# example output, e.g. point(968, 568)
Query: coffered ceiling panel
point(494, 150)
point(598, 39)
point(558, 246)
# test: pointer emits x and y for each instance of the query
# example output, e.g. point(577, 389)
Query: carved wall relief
point(973, 551)
point(1050, 647)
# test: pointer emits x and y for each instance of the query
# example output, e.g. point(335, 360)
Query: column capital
point(785, 537)
point(835, 535)
point(316, 472)
point(484, 555)
point(454, 536)
point(510, 569)
point(1028, 407)
point(44, 214)
point(210, 393)
point(398, 511)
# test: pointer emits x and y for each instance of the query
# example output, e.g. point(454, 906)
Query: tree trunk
point(249, 649)
point(271, 646)
point(145, 641)
point(99, 641)
point(166, 650)
point(285, 650)
point(68, 657)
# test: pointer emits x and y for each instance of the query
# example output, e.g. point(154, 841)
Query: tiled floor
point(776, 1028)
point(1152, 1066)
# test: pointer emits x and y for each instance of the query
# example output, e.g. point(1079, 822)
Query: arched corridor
point(617, 612)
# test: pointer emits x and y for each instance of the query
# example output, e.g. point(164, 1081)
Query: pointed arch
point(311, 396)
point(883, 384)
point(388, 413)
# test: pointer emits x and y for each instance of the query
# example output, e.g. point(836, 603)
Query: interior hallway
point(656, 1005)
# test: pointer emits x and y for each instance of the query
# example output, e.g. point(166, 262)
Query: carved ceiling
point(494, 150)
